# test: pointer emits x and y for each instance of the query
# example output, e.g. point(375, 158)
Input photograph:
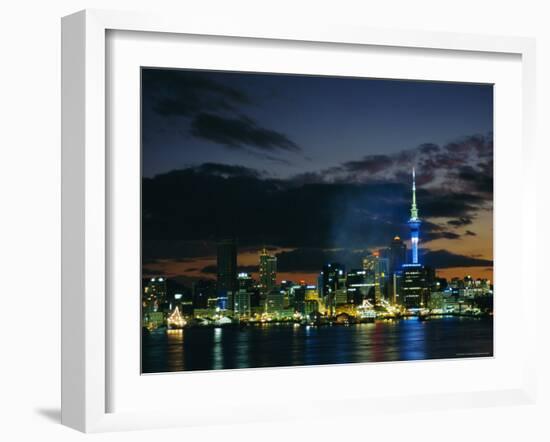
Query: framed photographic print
point(248, 211)
point(283, 222)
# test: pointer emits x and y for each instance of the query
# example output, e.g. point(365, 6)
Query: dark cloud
point(370, 163)
point(445, 259)
point(313, 259)
point(432, 236)
point(148, 272)
point(212, 201)
point(441, 203)
point(238, 133)
point(174, 249)
point(214, 110)
point(461, 166)
point(470, 233)
point(462, 221)
point(479, 179)
point(226, 170)
point(429, 148)
point(187, 93)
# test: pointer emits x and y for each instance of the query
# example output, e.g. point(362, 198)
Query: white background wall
point(30, 213)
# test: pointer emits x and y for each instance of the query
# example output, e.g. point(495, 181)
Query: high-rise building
point(311, 307)
point(397, 254)
point(274, 303)
point(415, 286)
point(333, 279)
point(242, 299)
point(414, 223)
point(154, 294)
point(394, 287)
point(268, 272)
point(376, 269)
point(227, 273)
point(357, 286)
point(203, 290)
point(245, 282)
point(298, 296)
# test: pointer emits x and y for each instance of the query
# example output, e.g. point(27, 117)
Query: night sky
point(315, 168)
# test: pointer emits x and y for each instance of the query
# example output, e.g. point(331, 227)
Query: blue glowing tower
point(414, 223)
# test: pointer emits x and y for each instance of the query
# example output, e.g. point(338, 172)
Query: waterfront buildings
point(389, 283)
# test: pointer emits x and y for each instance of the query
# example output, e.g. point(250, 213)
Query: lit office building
point(415, 285)
point(333, 279)
point(242, 299)
point(311, 307)
point(311, 292)
point(241, 304)
point(275, 302)
point(298, 296)
point(288, 287)
point(376, 269)
point(154, 294)
point(268, 271)
point(357, 286)
point(340, 296)
point(394, 287)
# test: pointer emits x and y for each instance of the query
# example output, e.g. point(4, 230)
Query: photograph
point(304, 220)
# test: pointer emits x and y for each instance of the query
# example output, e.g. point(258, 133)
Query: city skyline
point(226, 131)
point(307, 220)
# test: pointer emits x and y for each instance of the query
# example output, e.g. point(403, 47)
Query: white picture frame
point(86, 204)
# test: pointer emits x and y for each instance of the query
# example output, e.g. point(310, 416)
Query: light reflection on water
point(288, 345)
point(218, 349)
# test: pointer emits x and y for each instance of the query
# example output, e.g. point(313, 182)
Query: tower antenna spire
point(414, 222)
point(414, 209)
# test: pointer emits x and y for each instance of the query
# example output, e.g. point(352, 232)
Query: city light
point(390, 284)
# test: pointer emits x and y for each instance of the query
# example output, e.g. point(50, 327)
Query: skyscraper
point(357, 286)
point(333, 280)
point(397, 254)
point(376, 269)
point(415, 286)
point(414, 223)
point(155, 294)
point(268, 271)
point(227, 272)
point(242, 298)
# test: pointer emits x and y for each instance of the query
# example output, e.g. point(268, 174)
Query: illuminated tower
point(414, 223)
